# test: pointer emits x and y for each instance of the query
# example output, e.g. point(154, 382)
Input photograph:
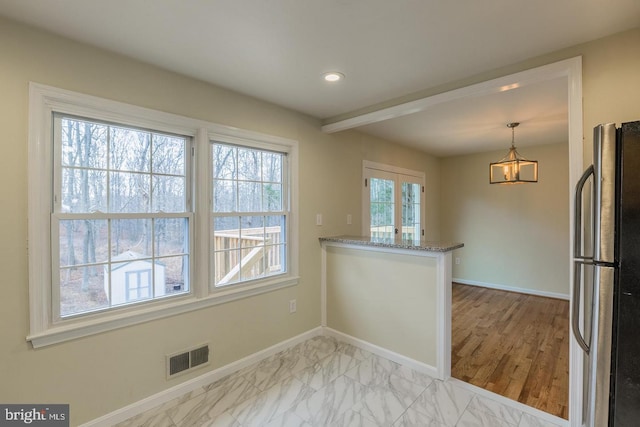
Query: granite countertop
point(397, 243)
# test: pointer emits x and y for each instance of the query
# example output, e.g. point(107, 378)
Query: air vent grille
point(178, 363)
point(187, 360)
point(199, 356)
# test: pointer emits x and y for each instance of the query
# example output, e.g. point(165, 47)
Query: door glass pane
point(410, 210)
point(382, 208)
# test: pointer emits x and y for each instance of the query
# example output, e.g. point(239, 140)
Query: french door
point(393, 202)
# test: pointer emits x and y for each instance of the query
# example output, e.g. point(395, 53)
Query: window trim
point(43, 102)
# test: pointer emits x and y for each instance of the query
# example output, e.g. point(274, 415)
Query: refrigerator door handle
point(579, 259)
point(577, 224)
point(575, 312)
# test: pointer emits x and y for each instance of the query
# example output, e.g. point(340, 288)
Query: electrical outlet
point(349, 219)
point(318, 219)
point(293, 306)
point(457, 260)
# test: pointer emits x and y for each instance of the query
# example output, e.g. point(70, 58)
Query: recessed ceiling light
point(333, 76)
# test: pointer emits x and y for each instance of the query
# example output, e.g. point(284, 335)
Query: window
point(250, 209)
point(119, 201)
point(136, 214)
point(393, 202)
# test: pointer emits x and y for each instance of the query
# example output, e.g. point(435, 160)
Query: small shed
point(131, 276)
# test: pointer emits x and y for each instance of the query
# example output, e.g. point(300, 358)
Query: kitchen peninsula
point(391, 296)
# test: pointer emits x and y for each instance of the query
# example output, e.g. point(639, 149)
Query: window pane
point(272, 197)
point(275, 228)
point(224, 196)
point(251, 231)
point(171, 236)
point(83, 144)
point(83, 242)
point(130, 239)
point(168, 155)
point(410, 211)
point(224, 162)
point(227, 266)
point(382, 208)
point(129, 192)
point(252, 264)
point(130, 150)
point(275, 261)
point(172, 275)
point(226, 244)
point(82, 289)
point(272, 167)
point(249, 164)
point(168, 194)
point(83, 190)
point(227, 226)
point(249, 196)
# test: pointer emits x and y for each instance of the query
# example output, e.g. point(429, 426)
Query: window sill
point(79, 329)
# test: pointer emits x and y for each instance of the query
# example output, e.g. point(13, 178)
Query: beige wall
point(611, 82)
point(104, 372)
point(386, 299)
point(515, 236)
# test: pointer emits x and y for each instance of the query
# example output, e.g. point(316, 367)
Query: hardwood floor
point(513, 344)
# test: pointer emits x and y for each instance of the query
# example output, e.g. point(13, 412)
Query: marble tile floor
point(324, 382)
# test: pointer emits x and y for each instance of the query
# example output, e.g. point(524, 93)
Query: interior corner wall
point(515, 236)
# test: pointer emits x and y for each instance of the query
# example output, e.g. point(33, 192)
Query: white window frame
point(395, 173)
point(286, 208)
point(43, 102)
point(59, 215)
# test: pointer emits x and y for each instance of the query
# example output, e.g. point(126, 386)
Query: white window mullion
point(202, 232)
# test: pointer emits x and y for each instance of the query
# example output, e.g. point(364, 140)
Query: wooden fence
point(255, 253)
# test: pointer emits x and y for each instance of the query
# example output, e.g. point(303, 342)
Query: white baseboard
point(383, 352)
point(164, 396)
point(528, 291)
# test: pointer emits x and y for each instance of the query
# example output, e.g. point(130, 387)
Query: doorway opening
point(513, 344)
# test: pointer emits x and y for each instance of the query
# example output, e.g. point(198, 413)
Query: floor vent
point(179, 363)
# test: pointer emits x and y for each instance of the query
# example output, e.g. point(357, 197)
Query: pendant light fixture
point(513, 168)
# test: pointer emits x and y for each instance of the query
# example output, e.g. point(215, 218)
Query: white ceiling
point(277, 50)
point(476, 124)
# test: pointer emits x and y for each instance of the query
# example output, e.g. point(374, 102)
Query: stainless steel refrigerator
point(606, 292)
